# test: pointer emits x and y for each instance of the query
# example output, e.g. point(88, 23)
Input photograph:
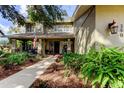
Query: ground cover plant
point(11, 63)
point(73, 61)
point(14, 58)
point(103, 68)
point(1, 52)
point(17, 58)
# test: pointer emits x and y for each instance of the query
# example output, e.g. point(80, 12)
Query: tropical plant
point(73, 61)
point(104, 68)
point(1, 52)
point(17, 58)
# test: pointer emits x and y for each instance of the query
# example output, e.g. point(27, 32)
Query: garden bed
point(54, 77)
point(98, 69)
point(4, 73)
point(11, 63)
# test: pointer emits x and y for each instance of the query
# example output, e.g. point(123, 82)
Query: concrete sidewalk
point(25, 78)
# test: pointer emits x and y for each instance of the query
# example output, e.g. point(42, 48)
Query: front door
point(56, 47)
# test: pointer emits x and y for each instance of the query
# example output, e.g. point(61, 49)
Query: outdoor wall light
point(113, 28)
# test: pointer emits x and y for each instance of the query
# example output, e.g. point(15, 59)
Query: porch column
point(39, 51)
point(13, 45)
point(61, 47)
point(21, 49)
point(43, 47)
point(68, 46)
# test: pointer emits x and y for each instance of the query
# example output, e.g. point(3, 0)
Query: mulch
point(4, 73)
point(54, 77)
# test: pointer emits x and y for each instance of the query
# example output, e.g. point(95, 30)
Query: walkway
point(25, 78)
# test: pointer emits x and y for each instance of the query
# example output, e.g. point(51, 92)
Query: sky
point(5, 24)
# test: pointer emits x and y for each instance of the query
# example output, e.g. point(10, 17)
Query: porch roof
point(39, 35)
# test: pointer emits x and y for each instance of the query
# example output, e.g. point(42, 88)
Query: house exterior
point(84, 26)
point(48, 41)
point(90, 26)
point(98, 24)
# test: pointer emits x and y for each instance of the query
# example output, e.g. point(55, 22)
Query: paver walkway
point(25, 78)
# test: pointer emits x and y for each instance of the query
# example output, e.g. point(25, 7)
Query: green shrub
point(4, 54)
point(73, 61)
point(2, 61)
point(1, 52)
point(17, 58)
point(105, 68)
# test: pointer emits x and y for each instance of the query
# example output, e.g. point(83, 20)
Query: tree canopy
point(46, 14)
point(9, 12)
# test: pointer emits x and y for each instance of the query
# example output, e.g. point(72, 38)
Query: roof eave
point(77, 10)
point(77, 7)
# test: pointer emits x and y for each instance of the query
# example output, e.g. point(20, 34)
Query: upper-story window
point(59, 28)
point(29, 27)
point(62, 28)
point(67, 28)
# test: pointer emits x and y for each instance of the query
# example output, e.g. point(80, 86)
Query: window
point(62, 28)
point(59, 28)
point(29, 28)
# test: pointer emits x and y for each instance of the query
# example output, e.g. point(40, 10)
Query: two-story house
point(56, 40)
point(90, 26)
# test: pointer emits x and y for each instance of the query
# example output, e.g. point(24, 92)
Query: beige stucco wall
point(105, 15)
point(84, 34)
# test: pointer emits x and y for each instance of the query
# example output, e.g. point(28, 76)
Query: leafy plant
point(1, 52)
point(3, 57)
point(17, 58)
point(105, 68)
point(73, 61)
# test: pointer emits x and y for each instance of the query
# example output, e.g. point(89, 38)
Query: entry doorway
point(56, 47)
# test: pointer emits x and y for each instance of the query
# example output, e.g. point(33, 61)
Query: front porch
point(58, 46)
point(45, 44)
